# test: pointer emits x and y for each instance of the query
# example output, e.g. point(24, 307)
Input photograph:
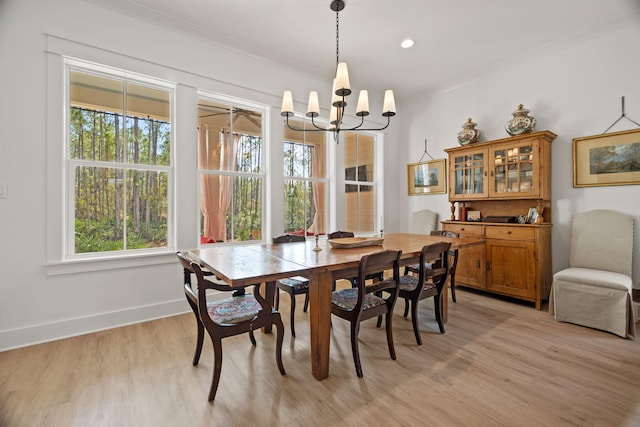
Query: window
point(305, 181)
point(231, 171)
point(360, 182)
point(118, 160)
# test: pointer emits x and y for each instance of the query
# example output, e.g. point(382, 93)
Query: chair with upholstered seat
point(228, 317)
point(596, 289)
point(423, 221)
point(428, 284)
point(453, 263)
point(346, 234)
point(296, 285)
point(365, 301)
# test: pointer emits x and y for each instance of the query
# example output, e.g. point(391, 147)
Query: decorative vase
point(521, 122)
point(469, 134)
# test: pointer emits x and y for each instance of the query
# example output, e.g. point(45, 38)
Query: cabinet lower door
point(471, 267)
point(511, 268)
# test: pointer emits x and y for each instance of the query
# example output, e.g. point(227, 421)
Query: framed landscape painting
point(608, 159)
point(427, 177)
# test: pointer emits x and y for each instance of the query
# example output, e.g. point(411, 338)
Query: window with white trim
point(118, 161)
point(305, 181)
point(360, 183)
point(231, 172)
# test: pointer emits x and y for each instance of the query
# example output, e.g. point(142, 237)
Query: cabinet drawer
point(465, 229)
point(510, 233)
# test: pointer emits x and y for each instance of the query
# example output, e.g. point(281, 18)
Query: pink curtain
point(215, 190)
point(318, 171)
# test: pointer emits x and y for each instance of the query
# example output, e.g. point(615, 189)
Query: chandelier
point(341, 89)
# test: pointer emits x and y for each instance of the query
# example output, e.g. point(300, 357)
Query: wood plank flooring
point(500, 363)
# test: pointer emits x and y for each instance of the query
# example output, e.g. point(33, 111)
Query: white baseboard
point(37, 334)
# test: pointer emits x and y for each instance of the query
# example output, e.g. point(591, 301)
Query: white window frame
point(264, 176)
point(60, 52)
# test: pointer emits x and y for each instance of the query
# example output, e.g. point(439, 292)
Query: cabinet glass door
point(512, 170)
point(469, 174)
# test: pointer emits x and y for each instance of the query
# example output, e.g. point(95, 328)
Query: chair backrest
point(436, 255)
point(424, 221)
point(375, 263)
point(602, 240)
point(288, 238)
point(340, 234)
point(453, 255)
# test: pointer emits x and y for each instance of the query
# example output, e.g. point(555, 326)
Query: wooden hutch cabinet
point(503, 179)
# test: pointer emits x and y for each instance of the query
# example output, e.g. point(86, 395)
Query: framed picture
point(608, 159)
point(532, 216)
point(473, 215)
point(427, 177)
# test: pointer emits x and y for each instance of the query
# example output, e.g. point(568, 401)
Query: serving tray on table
point(355, 242)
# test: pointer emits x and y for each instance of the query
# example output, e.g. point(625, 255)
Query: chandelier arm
point(357, 128)
point(318, 129)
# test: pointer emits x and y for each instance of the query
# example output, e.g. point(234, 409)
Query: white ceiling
point(454, 39)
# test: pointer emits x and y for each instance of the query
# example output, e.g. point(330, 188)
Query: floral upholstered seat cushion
point(409, 283)
point(297, 283)
point(234, 310)
point(347, 299)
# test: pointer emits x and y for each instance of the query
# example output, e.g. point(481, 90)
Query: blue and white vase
point(521, 122)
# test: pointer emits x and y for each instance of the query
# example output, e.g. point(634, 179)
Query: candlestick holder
point(317, 248)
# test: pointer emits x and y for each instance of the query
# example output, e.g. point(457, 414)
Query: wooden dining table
point(265, 263)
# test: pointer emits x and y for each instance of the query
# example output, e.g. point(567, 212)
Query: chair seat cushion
point(346, 299)
point(234, 310)
point(297, 283)
point(409, 284)
point(601, 278)
point(415, 268)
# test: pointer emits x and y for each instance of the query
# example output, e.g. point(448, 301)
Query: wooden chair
point(453, 263)
point(366, 302)
point(428, 284)
point(345, 234)
point(231, 316)
point(296, 285)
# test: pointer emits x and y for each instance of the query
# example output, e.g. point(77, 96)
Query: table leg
point(320, 285)
point(269, 294)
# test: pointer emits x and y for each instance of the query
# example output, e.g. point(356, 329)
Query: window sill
point(85, 265)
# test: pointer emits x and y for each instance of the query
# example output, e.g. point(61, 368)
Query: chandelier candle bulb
point(287, 103)
point(314, 107)
point(333, 116)
point(343, 88)
point(363, 104)
point(389, 106)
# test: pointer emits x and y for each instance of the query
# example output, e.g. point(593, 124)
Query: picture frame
point(428, 177)
point(532, 216)
point(473, 216)
point(607, 159)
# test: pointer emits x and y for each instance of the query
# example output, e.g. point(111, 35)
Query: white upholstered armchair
point(596, 290)
point(424, 221)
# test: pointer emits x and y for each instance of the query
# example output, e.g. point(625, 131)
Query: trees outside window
point(305, 181)
point(118, 160)
point(231, 171)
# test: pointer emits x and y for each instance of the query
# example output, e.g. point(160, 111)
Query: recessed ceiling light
point(406, 43)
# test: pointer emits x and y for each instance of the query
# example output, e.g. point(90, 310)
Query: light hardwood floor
point(501, 363)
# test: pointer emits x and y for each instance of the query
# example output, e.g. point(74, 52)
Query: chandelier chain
point(337, 37)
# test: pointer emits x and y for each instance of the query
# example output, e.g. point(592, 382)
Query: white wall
point(572, 89)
